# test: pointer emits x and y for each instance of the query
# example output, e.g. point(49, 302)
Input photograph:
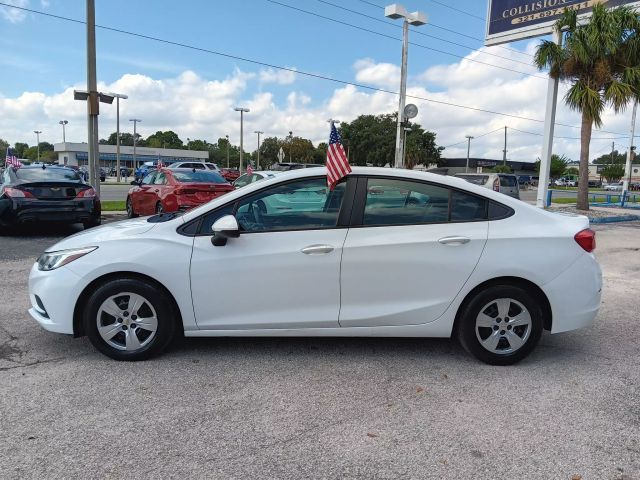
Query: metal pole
point(258, 159)
point(399, 163)
point(227, 151)
point(547, 139)
point(38, 132)
point(627, 167)
point(504, 152)
point(118, 139)
point(469, 138)
point(93, 102)
point(135, 142)
point(241, 133)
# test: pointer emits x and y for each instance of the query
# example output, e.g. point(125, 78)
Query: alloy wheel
point(127, 321)
point(503, 326)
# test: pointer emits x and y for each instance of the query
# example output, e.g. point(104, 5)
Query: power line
point(418, 32)
point(564, 138)
point(287, 69)
point(275, 2)
point(476, 137)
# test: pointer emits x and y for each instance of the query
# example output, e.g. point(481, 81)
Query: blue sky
point(46, 58)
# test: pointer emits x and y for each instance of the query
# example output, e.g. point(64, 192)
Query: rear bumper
point(575, 295)
point(34, 210)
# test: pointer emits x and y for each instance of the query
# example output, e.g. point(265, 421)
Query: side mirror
point(224, 228)
point(135, 182)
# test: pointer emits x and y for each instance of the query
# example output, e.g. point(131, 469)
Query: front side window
point(161, 179)
point(149, 179)
point(301, 205)
point(401, 202)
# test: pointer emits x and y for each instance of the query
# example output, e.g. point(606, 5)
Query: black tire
point(159, 208)
point(94, 222)
point(166, 325)
point(468, 333)
point(130, 212)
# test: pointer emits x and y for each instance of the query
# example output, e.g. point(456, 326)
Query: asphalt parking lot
point(322, 408)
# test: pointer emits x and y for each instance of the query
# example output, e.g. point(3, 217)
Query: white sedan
point(388, 252)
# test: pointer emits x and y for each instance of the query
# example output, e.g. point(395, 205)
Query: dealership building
point(77, 154)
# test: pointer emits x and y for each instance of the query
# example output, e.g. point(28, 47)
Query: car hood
point(104, 233)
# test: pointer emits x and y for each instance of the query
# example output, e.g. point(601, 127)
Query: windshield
point(477, 179)
point(47, 174)
point(199, 176)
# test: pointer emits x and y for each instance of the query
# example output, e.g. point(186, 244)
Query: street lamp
point(38, 132)
point(396, 11)
point(118, 96)
point(188, 143)
point(469, 138)
point(135, 141)
point(290, 146)
point(63, 123)
point(242, 111)
point(227, 150)
point(258, 160)
point(404, 143)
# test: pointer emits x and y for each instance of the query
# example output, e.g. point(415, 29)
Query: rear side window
point(467, 208)
point(508, 181)
point(161, 179)
point(148, 180)
point(399, 202)
point(497, 211)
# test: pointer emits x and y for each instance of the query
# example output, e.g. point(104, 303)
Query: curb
point(619, 218)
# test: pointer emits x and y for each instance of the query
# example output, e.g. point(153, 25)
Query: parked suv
point(196, 165)
point(498, 182)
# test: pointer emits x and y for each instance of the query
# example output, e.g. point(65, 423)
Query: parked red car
point(230, 174)
point(172, 190)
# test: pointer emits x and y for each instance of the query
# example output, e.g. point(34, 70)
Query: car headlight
point(52, 260)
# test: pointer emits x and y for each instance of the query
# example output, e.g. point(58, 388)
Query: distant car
point(613, 187)
point(595, 184)
point(565, 182)
point(47, 193)
point(524, 180)
point(498, 182)
point(196, 165)
point(170, 190)
point(246, 179)
point(230, 174)
point(286, 166)
point(103, 174)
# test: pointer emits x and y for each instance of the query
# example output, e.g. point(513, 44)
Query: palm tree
point(601, 60)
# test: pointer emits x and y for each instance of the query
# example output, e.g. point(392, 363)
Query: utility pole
point(469, 138)
point(627, 167)
point(504, 152)
point(613, 147)
point(135, 142)
point(93, 101)
point(227, 150)
point(118, 96)
point(258, 160)
point(242, 111)
point(63, 123)
point(38, 132)
point(290, 146)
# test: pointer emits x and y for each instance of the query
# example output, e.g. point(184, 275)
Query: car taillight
point(88, 193)
point(496, 185)
point(16, 193)
point(586, 239)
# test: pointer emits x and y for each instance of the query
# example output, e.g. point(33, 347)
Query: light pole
point(227, 150)
point(396, 11)
point(629, 163)
point(135, 142)
point(38, 132)
point(404, 144)
point(188, 143)
point(469, 138)
point(258, 160)
point(118, 96)
point(242, 111)
point(63, 123)
point(290, 146)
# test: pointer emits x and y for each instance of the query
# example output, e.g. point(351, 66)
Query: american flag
point(249, 169)
point(337, 162)
point(159, 164)
point(11, 160)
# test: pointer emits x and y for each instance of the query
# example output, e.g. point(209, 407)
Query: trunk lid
point(53, 190)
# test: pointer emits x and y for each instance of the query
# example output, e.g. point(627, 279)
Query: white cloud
point(45, 3)
point(197, 107)
point(377, 74)
point(14, 15)
point(281, 77)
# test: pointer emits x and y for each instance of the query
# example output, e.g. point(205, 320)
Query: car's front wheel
point(130, 212)
point(501, 325)
point(129, 319)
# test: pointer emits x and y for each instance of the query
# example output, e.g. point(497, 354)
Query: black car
point(47, 193)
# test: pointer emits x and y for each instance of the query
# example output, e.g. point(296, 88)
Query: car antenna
point(43, 166)
point(193, 169)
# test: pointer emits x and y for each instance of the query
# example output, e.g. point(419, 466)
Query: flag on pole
point(337, 162)
point(249, 169)
point(159, 164)
point(11, 160)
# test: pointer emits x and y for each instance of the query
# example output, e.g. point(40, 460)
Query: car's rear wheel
point(130, 212)
point(129, 319)
point(94, 222)
point(501, 325)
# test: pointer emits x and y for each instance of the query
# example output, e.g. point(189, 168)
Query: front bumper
point(575, 295)
point(35, 210)
point(57, 292)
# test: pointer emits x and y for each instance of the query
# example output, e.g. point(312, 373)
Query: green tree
point(617, 157)
point(299, 150)
point(269, 148)
point(125, 139)
point(558, 166)
point(613, 172)
point(502, 169)
point(601, 60)
point(20, 149)
point(4, 145)
point(572, 171)
point(168, 139)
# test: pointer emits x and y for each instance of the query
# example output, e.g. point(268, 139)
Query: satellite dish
point(410, 111)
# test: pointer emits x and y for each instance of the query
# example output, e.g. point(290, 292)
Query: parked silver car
point(498, 182)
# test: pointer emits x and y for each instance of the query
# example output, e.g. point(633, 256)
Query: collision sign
point(511, 20)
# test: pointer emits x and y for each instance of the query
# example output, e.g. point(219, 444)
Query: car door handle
point(454, 240)
point(317, 249)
